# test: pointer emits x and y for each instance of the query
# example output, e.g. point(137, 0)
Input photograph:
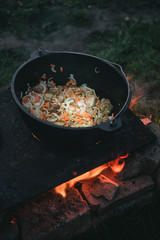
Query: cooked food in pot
point(69, 105)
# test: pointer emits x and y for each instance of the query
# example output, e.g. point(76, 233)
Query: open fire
point(116, 166)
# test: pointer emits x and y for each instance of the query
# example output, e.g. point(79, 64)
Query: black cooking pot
point(99, 74)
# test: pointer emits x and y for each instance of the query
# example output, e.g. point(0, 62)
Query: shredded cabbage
point(69, 105)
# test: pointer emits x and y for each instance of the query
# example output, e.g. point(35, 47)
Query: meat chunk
point(98, 121)
point(38, 89)
point(105, 106)
point(91, 100)
point(105, 118)
point(54, 90)
point(48, 97)
point(54, 108)
point(60, 98)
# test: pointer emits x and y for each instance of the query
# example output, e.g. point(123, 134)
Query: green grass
point(86, 3)
point(33, 18)
point(79, 18)
point(136, 47)
point(107, 3)
point(10, 60)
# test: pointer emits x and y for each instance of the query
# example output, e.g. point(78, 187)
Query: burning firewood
point(104, 187)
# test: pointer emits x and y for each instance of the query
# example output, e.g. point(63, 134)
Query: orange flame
point(116, 165)
point(133, 101)
point(137, 92)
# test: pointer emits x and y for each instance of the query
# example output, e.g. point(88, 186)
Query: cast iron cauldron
point(97, 73)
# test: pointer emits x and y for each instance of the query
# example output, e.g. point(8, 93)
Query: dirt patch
point(77, 38)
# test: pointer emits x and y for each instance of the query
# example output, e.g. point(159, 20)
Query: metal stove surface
point(29, 168)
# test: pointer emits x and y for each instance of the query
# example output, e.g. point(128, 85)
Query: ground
point(76, 26)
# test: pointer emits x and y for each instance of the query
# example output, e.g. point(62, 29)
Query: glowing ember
point(35, 137)
point(146, 121)
point(13, 221)
point(116, 165)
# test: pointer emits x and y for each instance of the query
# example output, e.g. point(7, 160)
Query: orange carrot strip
point(70, 82)
point(61, 69)
point(92, 122)
point(36, 98)
point(77, 99)
point(43, 76)
point(55, 103)
point(53, 83)
point(52, 65)
point(85, 115)
point(41, 116)
point(66, 124)
point(31, 111)
point(81, 122)
point(42, 109)
point(24, 100)
point(76, 119)
point(46, 104)
point(65, 117)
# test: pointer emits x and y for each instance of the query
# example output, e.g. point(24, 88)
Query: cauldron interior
point(102, 77)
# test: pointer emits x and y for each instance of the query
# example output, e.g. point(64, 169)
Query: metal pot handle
point(116, 65)
point(39, 53)
point(111, 125)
